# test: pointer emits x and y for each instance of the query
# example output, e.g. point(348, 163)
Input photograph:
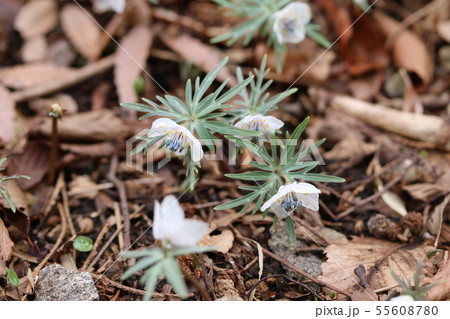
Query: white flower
point(265, 124)
point(289, 23)
point(402, 298)
point(178, 138)
point(117, 6)
point(170, 226)
point(291, 197)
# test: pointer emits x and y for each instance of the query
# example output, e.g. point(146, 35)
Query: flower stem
point(197, 285)
point(53, 151)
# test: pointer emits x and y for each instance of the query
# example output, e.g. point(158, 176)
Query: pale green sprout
point(362, 4)
point(4, 180)
point(413, 290)
point(260, 16)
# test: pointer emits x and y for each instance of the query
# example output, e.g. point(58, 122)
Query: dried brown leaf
point(436, 219)
point(130, 61)
point(203, 56)
point(20, 219)
point(443, 29)
point(81, 30)
point(93, 150)
point(101, 125)
point(36, 18)
point(442, 280)
point(8, 116)
point(25, 75)
point(6, 245)
point(424, 191)
point(32, 162)
point(222, 242)
point(409, 51)
point(345, 256)
point(35, 49)
point(349, 148)
point(80, 183)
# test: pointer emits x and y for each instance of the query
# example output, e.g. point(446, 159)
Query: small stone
point(57, 283)
point(281, 246)
point(230, 298)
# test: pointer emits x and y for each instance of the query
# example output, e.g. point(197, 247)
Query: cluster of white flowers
point(291, 197)
point(172, 229)
point(289, 23)
point(178, 139)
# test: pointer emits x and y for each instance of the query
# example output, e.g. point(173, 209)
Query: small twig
point(53, 152)
point(173, 17)
point(75, 77)
point(67, 211)
point(57, 244)
point(197, 285)
point(287, 278)
point(123, 200)
point(95, 247)
point(301, 272)
point(378, 194)
point(118, 224)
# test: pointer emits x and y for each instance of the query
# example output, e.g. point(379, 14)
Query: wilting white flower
point(265, 124)
point(289, 23)
point(291, 197)
point(178, 138)
point(105, 5)
point(170, 226)
point(402, 298)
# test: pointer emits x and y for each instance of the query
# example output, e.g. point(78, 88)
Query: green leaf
point(190, 250)
point(311, 31)
point(143, 264)
point(311, 177)
point(223, 128)
point(151, 278)
point(5, 194)
point(238, 201)
point(144, 146)
point(12, 277)
point(174, 277)
point(83, 243)
point(251, 176)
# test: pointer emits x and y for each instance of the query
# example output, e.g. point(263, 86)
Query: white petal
point(164, 122)
point(106, 5)
point(305, 188)
point(157, 223)
point(171, 210)
point(190, 233)
point(301, 10)
point(402, 298)
point(278, 210)
point(283, 190)
point(245, 120)
point(310, 201)
point(274, 123)
point(196, 150)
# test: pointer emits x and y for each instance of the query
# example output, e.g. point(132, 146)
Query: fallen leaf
point(442, 278)
point(222, 242)
point(41, 105)
point(36, 18)
point(443, 29)
point(20, 219)
point(79, 184)
point(34, 50)
point(362, 47)
point(32, 162)
point(345, 256)
point(349, 148)
point(101, 125)
point(6, 245)
point(409, 51)
point(436, 219)
point(93, 150)
point(203, 56)
point(131, 60)
point(81, 30)
point(26, 75)
point(8, 117)
point(424, 191)
point(393, 201)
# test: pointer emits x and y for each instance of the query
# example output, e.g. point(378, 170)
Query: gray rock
point(280, 245)
point(57, 283)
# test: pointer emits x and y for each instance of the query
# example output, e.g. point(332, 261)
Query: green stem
point(18, 294)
